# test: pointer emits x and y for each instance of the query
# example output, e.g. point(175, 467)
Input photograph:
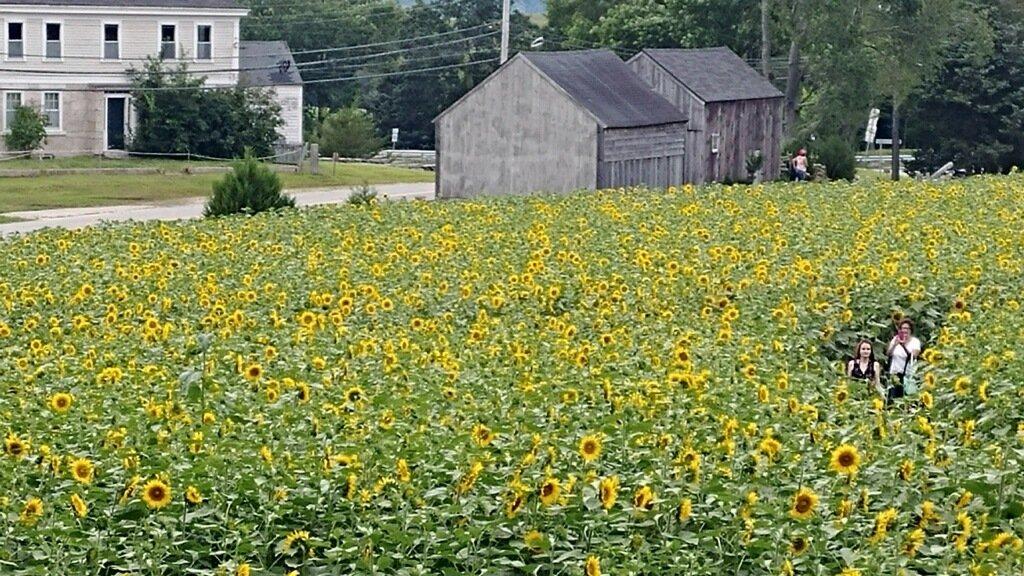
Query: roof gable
point(600, 82)
point(267, 64)
point(713, 74)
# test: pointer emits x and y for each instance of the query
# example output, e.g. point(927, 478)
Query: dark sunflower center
point(157, 493)
point(547, 489)
point(846, 459)
point(803, 504)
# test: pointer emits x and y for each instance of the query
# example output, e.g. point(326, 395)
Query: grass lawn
point(8, 219)
point(100, 162)
point(77, 190)
point(870, 175)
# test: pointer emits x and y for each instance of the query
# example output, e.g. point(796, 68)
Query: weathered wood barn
point(732, 110)
point(558, 122)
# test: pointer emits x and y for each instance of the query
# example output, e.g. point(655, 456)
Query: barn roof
point(600, 82)
point(267, 64)
point(714, 74)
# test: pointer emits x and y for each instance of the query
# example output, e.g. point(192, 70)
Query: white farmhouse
point(69, 59)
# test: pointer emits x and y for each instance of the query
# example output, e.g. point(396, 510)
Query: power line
point(256, 68)
point(399, 41)
point(406, 60)
point(315, 81)
point(333, 14)
point(403, 73)
point(353, 7)
point(296, 53)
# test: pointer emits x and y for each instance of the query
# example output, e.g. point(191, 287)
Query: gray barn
point(732, 110)
point(558, 122)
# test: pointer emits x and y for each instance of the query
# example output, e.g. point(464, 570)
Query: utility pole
point(766, 39)
point(506, 19)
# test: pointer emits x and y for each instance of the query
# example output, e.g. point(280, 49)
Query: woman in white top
point(903, 351)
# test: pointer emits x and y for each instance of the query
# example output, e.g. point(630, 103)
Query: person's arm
point(892, 345)
point(849, 368)
point(878, 377)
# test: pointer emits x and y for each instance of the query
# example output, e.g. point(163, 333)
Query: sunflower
point(193, 495)
point(253, 372)
point(82, 470)
point(79, 506)
point(685, 510)
point(303, 392)
point(592, 567)
point(534, 540)
point(845, 460)
point(770, 447)
point(643, 498)
point(295, 537)
point(804, 503)
point(515, 503)
point(609, 491)
point(402, 467)
point(354, 394)
point(243, 570)
point(906, 470)
point(61, 402)
point(590, 447)
point(482, 435)
point(550, 491)
point(156, 494)
point(798, 545)
point(31, 512)
point(15, 447)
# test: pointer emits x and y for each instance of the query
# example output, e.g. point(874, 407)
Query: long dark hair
point(856, 352)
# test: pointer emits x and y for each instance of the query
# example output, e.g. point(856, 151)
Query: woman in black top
point(864, 366)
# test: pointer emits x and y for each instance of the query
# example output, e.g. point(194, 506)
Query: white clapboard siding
point(290, 99)
point(139, 38)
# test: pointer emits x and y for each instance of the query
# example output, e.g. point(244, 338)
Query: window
point(12, 100)
point(53, 40)
point(111, 41)
point(204, 42)
point(51, 110)
point(168, 41)
point(15, 40)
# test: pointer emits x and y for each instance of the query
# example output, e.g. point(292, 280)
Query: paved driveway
point(189, 208)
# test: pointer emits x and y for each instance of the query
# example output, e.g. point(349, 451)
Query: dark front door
point(115, 123)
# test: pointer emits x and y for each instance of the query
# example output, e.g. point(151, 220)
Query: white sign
point(869, 134)
point(394, 135)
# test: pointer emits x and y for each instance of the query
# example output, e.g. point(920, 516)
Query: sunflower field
point(621, 382)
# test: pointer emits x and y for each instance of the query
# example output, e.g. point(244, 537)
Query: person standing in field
point(903, 350)
point(864, 367)
point(799, 165)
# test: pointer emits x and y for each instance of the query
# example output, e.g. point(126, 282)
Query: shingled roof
point(206, 4)
point(600, 81)
point(714, 74)
point(267, 64)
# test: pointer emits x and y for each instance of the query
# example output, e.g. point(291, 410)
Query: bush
point(839, 159)
point(351, 133)
point(250, 188)
point(175, 115)
point(28, 130)
point(362, 195)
